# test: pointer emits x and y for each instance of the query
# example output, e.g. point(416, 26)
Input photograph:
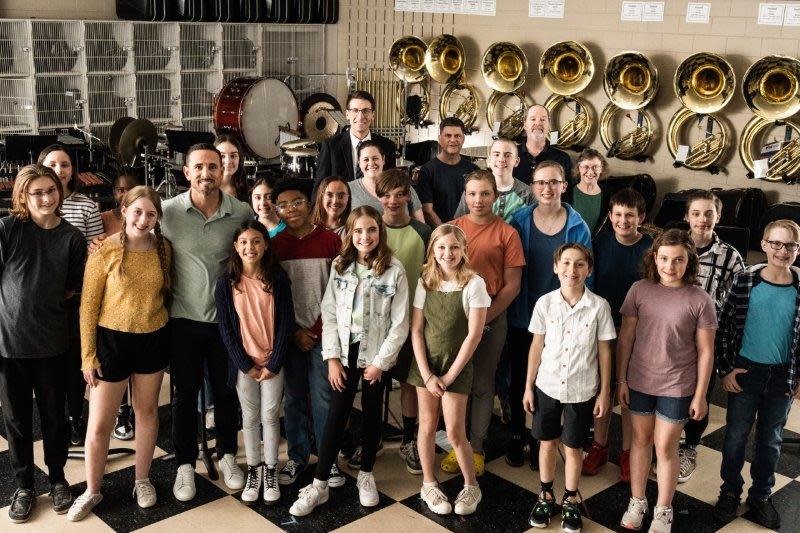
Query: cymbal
point(299, 143)
point(316, 98)
point(318, 124)
point(116, 133)
point(139, 136)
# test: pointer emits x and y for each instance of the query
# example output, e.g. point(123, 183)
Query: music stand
point(27, 147)
point(179, 141)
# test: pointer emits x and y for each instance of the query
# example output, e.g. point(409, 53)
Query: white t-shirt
point(569, 371)
point(473, 297)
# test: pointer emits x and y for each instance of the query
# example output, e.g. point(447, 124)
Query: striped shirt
point(82, 212)
point(718, 264)
point(732, 318)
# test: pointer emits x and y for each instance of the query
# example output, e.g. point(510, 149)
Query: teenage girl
point(124, 336)
point(665, 356)
point(261, 202)
point(364, 325)
point(83, 213)
point(41, 261)
point(332, 204)
point(254, 307)
point(449, 314)
point(234, 179)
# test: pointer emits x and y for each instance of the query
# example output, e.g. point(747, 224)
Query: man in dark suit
point(337, 155)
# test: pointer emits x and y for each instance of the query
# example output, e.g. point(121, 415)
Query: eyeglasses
point(296, 204)
point(777, 245)
point(547, 183)
point(594, 168)
point(41, 194)
point(366, 111)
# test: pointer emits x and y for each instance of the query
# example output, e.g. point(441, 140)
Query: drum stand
point(168, 184)
point(112, 451)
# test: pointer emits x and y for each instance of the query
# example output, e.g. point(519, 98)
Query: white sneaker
point(468, 499)
point(367, 491)
point(184, 489)
point(145, 493)
point(252, 487)
point(435, 499)
point(82, 506)
point(662, 520)
point(310, 496)
point(272, 490)
point(232, 475)
point(632, 519)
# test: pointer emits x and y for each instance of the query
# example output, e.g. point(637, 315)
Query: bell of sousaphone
point(504, 67)
point(444, 59)
point(704, 82)
point(566, 68)
point(407, 59)
point(630, 80)
point(770, 87)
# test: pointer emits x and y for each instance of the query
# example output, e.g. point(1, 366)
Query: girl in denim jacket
point(364, 325)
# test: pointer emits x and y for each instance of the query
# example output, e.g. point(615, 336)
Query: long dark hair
point(319, 216)
point(268, 265)
point(239, 178)
point(72, 184)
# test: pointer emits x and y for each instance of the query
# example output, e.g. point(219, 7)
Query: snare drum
point(254, 110)
point(299, 162)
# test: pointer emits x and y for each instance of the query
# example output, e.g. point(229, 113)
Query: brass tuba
point(770, 90)
point(445, 62)
point(504, 68)
point(704, 83)
point(566, 69)
point(631, 82)
point(407, 59)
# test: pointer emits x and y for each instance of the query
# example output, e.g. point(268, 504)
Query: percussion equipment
point(317, 124)
point(253, 109)
point(300, 162)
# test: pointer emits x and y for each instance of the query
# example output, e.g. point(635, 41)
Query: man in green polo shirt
point(200, 224)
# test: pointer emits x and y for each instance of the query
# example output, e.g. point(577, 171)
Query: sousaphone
point(630, 82)
point(407, 61)
point(566, 69)
point(704, 83)
point(445, 63)
point(504, 68)
point(770, 90)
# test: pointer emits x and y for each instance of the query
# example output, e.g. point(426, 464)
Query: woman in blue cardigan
point(256, 318)
point(542, 227)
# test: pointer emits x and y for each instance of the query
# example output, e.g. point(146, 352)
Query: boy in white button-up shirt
point(569, 373)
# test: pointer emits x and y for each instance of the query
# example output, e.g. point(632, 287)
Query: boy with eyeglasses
point(543, 227)
point(758, 360)
point(305, 252)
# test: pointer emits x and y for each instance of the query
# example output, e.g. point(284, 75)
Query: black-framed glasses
point(366, 111)
point(777, 245)
point(546, 183)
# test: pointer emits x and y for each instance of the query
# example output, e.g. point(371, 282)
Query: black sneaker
point(355, 460)
point(570, 517)
point(515, 452)
point(726, 507)
point(533, 455)
point(289, 472)
point(21, 506)
point(77, 431)
point(764, 513)
point(123, 430)
point(543, 511)
point(62, 497)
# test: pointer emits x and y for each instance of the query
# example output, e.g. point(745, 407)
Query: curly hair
point(673, 237)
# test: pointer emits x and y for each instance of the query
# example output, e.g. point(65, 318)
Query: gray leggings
point(484, 362)
point(261, 404)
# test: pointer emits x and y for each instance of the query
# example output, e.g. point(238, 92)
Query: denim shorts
point(674, 410)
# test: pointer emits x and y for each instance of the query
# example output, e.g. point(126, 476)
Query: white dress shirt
point(354, 144)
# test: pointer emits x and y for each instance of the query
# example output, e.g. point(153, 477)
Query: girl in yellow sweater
point(123, 335)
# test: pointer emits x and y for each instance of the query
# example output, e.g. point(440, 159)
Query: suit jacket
point(336, 156)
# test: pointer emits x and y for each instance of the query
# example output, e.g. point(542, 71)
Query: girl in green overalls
point(450, 305)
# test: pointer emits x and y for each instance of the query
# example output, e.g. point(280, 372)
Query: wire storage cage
point(15, 48)
point(16, 106)
point(199, 46)
point(57, 47)
point(111, 96)
point(109, 46)
point(157, 95)
point(297, 54)
point(197, 94)
point(155, 46)
point(241, 46)
point(59, 101)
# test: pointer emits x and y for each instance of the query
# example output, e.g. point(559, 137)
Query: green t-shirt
point(588, 206)
point(408, 244)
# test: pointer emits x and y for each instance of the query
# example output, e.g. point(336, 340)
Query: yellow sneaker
point(450, 463)
point(478, 459)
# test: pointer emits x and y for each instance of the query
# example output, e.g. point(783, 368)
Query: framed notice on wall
point(455, 7)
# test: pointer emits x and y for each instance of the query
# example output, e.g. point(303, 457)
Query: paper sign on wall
point(698, 12)
point(791, 16)
point(551, 9)
point(631, 11)
point(653, 12)
point(456, 7)
point(770, 14)
point(760, 168)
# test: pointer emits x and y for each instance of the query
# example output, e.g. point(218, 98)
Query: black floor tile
point(786, 502)
point(505, 506)
point(119, 510)
point(690, 515)
point(8, 484)
point(788, 463)
point(341, 508)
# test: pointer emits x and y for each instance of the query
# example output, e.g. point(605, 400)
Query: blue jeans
point(306, 374)
point(765, 395)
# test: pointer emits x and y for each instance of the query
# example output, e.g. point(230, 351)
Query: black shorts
point(400, 369)
point(124, 354)
point(578, 420)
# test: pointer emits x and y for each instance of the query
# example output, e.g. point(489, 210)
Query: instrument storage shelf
point(15, 48)
point(57, 47)
point(109, 47)
point(16, 106)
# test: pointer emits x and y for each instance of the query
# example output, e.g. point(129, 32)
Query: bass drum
point(255, 110)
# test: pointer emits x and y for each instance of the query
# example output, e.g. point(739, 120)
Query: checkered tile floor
point(508, 493)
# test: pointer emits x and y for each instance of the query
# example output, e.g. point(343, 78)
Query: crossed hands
point(260, 374)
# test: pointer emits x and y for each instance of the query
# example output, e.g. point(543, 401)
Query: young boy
point(758, 359)
point(618, 265)
point(572, 329)
point(305, 251)
point(408, 239)
point(512, 194)
point(719, 261)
